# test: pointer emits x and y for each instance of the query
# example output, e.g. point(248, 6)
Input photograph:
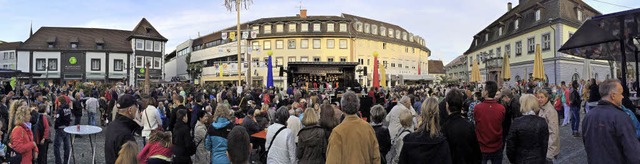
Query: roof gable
point(145, 30)
point(436, 67)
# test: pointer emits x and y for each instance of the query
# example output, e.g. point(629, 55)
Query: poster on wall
point(73, 62)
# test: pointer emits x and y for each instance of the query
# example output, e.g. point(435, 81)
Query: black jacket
point(62, 117)
point(462, 140)
point(512, 111)
point(575, 98)
point(528, 140)
point(419, 147)
point(183, 144)
point(312, 145)
point(77, 108)
point(594, 93)
point(172, 116)
point(117, 133)
point(384, 140)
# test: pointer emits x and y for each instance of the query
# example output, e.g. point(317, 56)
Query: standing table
point(83, 130)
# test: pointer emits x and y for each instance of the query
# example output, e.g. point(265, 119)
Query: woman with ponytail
point(427, 144)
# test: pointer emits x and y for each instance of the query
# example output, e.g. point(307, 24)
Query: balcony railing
point(495, 62)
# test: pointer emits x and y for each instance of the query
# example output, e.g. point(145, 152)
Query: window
point(279, 28)
point(5, 55)
point(267, 29)
point(343, 59)
point(292, 27)
point(358, 26)
point(531, 45)
point(40, 64)
point(255, 45)
point(579, 14)
point(537, 14)
point(316, 27)
point(329, 59)
point(148, 61)
point(148, 45)
point(255, 61)
point(398, 34)
point(95, 64)
point(383, 31)
point(99, 46)
point(292, 59)
point(331, 43)
point(50, 45)
point(390, 33)
point(157, 46)
point(316, 59)
point(400, 65)
point(304, 59)
point(486, 37)
point(374, 29)
point(74, 45)
point(343, 44)
point(500, 31)
point(316, 44)
point(518, 48)
point(499, 51)
point(139, 61)
point(546, 41)
point(279, 44)
point(516, 24)
point(304, 27)
point(404, 36)
point(255, 28)
point(367, 28)
point(266, 61)
point(343, 27)
point(330, 27)
point(156, 63)
point(267, 45)
point(139, 44)
point(384, 45)
point(118, 65)
point(304, 43)
point(393, 65)
point(291, 43)
point(507, 49)
point(279, 61)
point(53, 65)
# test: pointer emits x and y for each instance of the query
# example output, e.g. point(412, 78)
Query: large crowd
point(182, 123)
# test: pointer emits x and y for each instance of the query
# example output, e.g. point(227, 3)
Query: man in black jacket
point(177, 101)
point(122, 128)
point(62, 120)
point(460, 134)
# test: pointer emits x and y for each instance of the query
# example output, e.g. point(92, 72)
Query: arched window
point(575, 77)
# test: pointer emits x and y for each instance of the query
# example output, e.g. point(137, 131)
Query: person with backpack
point(40, 129)
point(406, 120)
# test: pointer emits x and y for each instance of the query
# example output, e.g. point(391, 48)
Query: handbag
point(13, 157)
point(263, 156)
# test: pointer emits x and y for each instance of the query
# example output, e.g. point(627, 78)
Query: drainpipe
point(555, 54)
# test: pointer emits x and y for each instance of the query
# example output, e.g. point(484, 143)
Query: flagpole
point(238, 40)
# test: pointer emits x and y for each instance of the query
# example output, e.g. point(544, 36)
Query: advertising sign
point(73, 62)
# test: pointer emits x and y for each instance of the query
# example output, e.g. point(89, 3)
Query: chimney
point(509, 7)
point(303, 13)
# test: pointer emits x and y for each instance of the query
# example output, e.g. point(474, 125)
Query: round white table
point(82, 130)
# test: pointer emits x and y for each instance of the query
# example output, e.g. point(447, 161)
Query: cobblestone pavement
point(571, 148)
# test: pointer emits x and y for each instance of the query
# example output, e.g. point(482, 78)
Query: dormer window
point(579, 13)
point(538, 14)
point(358, 26)
point(74, 45)
point(50, 45)
point(486, 37)
point(74, 42)
point(99, 43)
point(500, 31)
point(516, 24)
point(51, 42)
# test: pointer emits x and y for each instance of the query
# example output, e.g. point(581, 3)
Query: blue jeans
point(495, 158)
point(575, 118)
point(91, 118)
point(61, 137)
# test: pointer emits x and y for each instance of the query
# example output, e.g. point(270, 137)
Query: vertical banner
point(254, 34)
point(232, 35)
point(245, 35)
point(224, 36)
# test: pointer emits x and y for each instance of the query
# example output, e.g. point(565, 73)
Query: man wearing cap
point(121, 129)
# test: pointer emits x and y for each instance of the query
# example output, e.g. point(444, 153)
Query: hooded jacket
point(419, 147)
point(312, 144)
point(63, 117)
point(216, 142)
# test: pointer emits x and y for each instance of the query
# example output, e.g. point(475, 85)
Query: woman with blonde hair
point(312, 139)
point(528, 137)
point(21, 140)
point(12, 111)
point(127, 154)
point(158, 148)
point(427, 143)
point(216, 140)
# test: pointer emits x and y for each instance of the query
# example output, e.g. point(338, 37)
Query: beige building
point(302, 38)
point(549, 23)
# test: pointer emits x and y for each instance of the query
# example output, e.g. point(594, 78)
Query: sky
point(446, 25)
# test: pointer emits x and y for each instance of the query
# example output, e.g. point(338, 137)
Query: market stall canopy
point(600, 37)
point(16, 73)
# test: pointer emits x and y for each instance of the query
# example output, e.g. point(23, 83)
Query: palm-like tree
point(237, 5)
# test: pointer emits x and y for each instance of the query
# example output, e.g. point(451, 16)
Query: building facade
point(457, 69)
point(302, 38)
point(68, 54)
point(8, 53)
point(515, 34)
point(176, 65)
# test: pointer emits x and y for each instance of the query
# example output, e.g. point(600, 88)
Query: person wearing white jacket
point(283, 147)
point(393, 118)
point(150, 118)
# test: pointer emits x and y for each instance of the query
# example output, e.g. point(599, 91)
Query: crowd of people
point(459, 124)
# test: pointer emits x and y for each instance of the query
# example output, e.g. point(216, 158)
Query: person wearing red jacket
point(21, 137)
point(489, 115)
point(159, 146)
